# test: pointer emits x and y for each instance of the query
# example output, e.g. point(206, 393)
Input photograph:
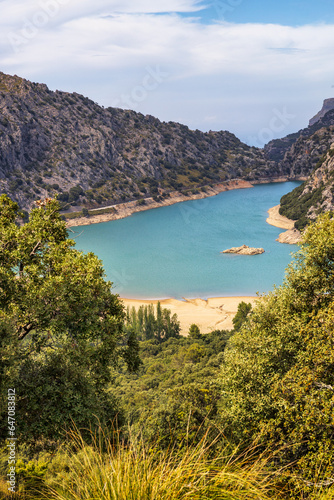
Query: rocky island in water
point(244, 250)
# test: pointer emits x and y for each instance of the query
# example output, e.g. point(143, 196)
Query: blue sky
point(286, 12)
point(260, 69)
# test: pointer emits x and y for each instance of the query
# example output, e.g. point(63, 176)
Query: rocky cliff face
point(298, 154)
point(65, 144)
point(306, 153)
point(328, 105)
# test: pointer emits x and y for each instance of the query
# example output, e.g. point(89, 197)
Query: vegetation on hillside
point(57, 143)
point(314, 196)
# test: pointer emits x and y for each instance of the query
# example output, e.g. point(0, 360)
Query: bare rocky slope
point(65, 144)
point(328, 105)
point(299, 153)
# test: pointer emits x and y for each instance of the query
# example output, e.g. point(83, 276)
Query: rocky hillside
point(65, 144)
point(299, 153)
point(328, 105)
point(314, 196)
point(310, 150)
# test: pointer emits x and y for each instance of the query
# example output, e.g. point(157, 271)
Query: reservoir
point(174, 251)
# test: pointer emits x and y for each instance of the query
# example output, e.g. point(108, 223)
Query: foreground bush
point(108, 471)
point(278, 372)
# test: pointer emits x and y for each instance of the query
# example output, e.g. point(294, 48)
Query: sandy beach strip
point(278, 220)
point(212, 314)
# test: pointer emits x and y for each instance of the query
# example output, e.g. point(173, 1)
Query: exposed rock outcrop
point(327, 106)
point(244, 250)
point(291, 237)
point(296, 155)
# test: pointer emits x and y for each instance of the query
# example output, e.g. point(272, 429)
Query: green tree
point(304, 422)
point(159, 326)
point(148, 326)
point(58, 315)
point(60, 386)
point(149, 321)
point(194, 332)
point(241, 316)
point(171, 324)
point(49, 288)
point(278, 368)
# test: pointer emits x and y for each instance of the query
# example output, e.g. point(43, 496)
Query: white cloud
point(16, 13)
point(221, 75)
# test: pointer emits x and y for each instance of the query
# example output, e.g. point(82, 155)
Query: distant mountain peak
point(328, 105)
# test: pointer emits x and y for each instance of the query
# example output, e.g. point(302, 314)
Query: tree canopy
point(47, 287)
point(278, 373)
point(59, 320)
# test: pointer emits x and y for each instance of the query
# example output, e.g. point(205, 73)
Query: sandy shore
point(125, 209)
point(291, 236)
point(211, 314)
point(278, 220)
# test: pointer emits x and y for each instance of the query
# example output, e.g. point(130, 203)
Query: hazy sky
point(259, 68)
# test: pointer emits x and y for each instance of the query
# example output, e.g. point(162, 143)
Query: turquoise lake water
point(175, 251)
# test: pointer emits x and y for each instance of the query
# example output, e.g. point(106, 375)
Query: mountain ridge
point(64, 144)
point(56, 143)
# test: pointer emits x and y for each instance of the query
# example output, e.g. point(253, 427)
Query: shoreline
point(127, 209)
point(278, 220)
point(214, 313)
point(290, 236)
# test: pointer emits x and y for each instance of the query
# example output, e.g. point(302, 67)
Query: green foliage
point(47, 287)
point(241, 316)
point(30, 476)
point(61, 328)
point(194, 332)
point(60, 386)
point(148, 324)
point(278, 374)
point(304, 395)
point(175, 392)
